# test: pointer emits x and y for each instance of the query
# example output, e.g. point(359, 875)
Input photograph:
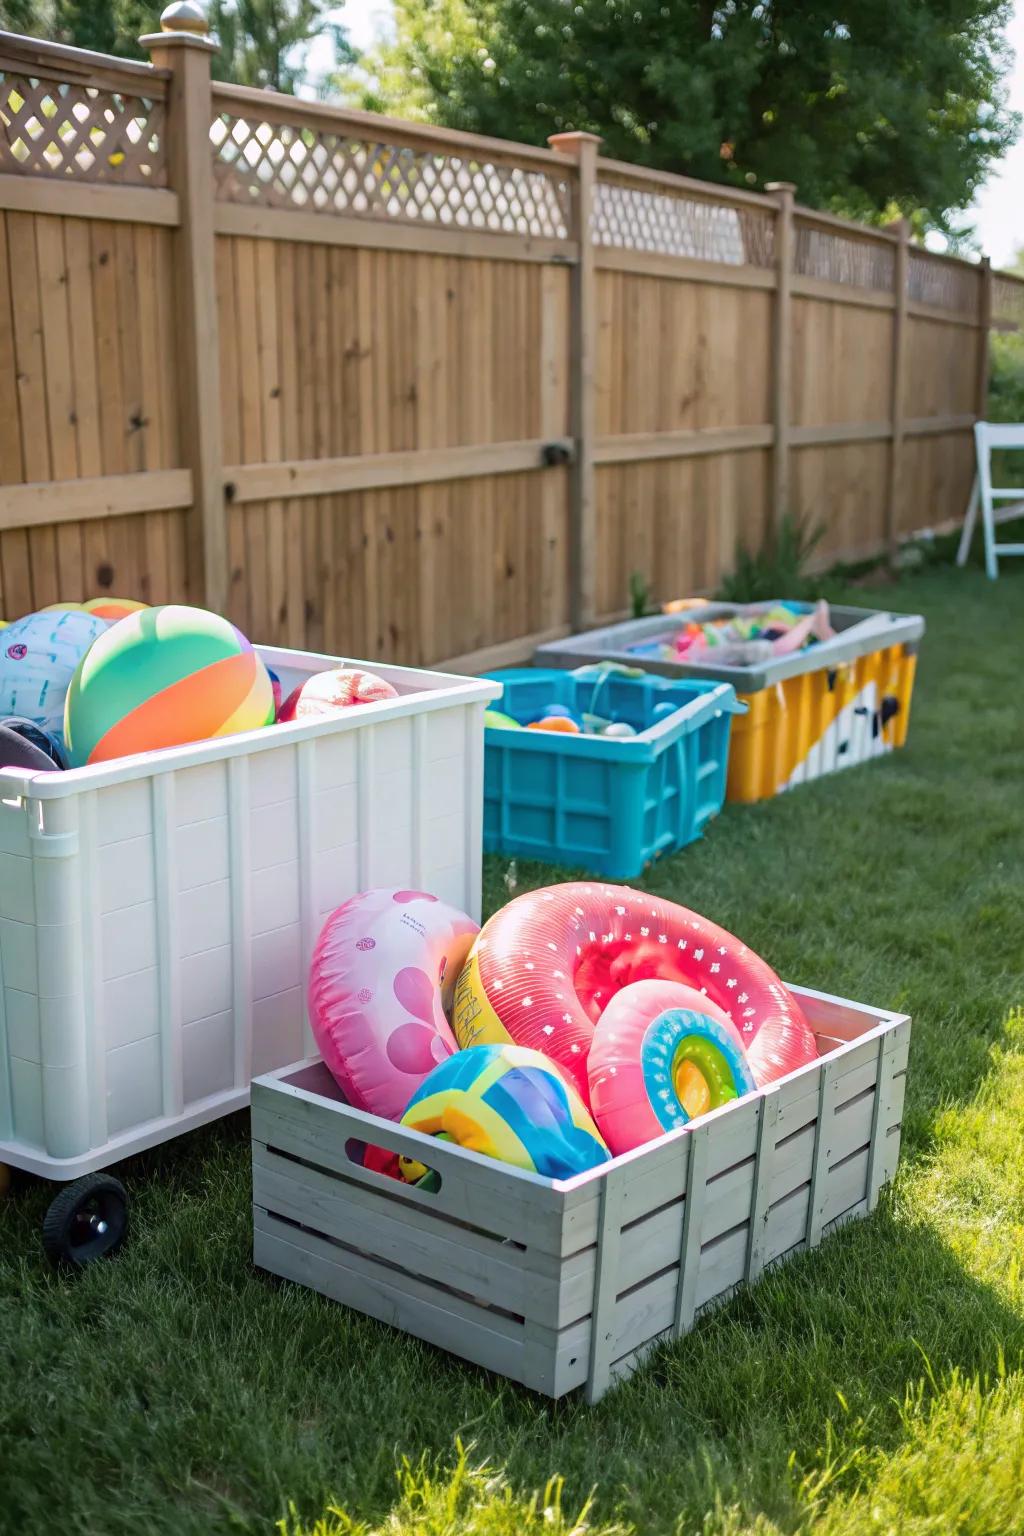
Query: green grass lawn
point(876, 1385)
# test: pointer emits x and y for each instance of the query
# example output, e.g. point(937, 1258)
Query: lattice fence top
point(935, 280)
point(840, 258)
point(1008, 301)
point(322, 171)
point(671, 224)
point(54, 128)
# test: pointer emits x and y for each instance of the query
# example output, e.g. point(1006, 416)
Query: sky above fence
point(998, 210)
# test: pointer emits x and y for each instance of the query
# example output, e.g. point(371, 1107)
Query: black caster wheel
point(88, 1220)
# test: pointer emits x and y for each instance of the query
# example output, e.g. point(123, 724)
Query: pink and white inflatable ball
point(339, 688)
point(382, 976)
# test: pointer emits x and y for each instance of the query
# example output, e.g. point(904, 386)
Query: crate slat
point(763, 1172)
point(689, 1251)
point(493, 1270)
point(609, 1239)
point(306, 1259)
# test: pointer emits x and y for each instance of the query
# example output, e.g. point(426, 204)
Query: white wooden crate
point(566, 1284)
point(158, 913)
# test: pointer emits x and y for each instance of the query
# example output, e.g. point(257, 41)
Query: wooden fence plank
point(108, 355)
point(31, 392)
point(59, 373)
point(897, 406)
point(15, 571)
point(85, 387)
point(984, 327)
point(253, 523)
point(782, 347)
point(129, 568)
point(12, 464)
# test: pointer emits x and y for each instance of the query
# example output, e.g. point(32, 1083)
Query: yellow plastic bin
point(834, 705)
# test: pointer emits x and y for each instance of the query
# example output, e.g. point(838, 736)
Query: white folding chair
point(989, 435)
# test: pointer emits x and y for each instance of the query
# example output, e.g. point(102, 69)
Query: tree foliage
point(18, 16)
point(261, 41)
point(874, 107)
point(107, 26)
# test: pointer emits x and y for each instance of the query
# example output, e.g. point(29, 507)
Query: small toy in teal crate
point(605, 768)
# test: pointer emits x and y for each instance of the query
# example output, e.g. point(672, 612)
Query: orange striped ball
point(162, 677)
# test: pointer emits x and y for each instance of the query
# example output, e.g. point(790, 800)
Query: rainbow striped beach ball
point(162, 677)
point(510, 1103)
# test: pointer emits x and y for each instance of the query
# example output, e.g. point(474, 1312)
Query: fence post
point(583, 148)
point(984, 339)
point(184, 48)
point(782, 347)
point(899, 347)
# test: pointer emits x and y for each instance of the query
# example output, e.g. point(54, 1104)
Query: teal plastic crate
point(607, 805)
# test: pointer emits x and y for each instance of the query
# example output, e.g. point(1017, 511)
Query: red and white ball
point(340, 688)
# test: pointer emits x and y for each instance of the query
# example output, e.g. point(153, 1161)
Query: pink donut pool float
point(382, 974)
point(546, 967)
point(661, 1055)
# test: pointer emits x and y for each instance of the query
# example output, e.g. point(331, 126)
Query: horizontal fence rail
point(384, 388)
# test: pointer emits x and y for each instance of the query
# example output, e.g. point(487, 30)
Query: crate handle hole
point(382, 1161)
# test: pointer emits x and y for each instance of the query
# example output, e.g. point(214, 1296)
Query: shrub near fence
point(386, 389)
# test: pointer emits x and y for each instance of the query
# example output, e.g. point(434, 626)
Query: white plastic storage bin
point(157, 913)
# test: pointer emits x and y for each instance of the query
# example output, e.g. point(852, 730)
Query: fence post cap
point(183, 22)
point(780, 186)
point(185, 16)
point(573, 143)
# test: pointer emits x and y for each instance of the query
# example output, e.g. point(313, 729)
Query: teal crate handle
point(603, 671)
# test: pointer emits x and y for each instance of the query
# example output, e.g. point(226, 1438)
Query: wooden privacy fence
point(386, 389)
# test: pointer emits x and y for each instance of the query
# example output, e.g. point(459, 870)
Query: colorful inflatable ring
point(662, 1054)
point(383, 970)
point(544, 968)
point(508, 1103)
